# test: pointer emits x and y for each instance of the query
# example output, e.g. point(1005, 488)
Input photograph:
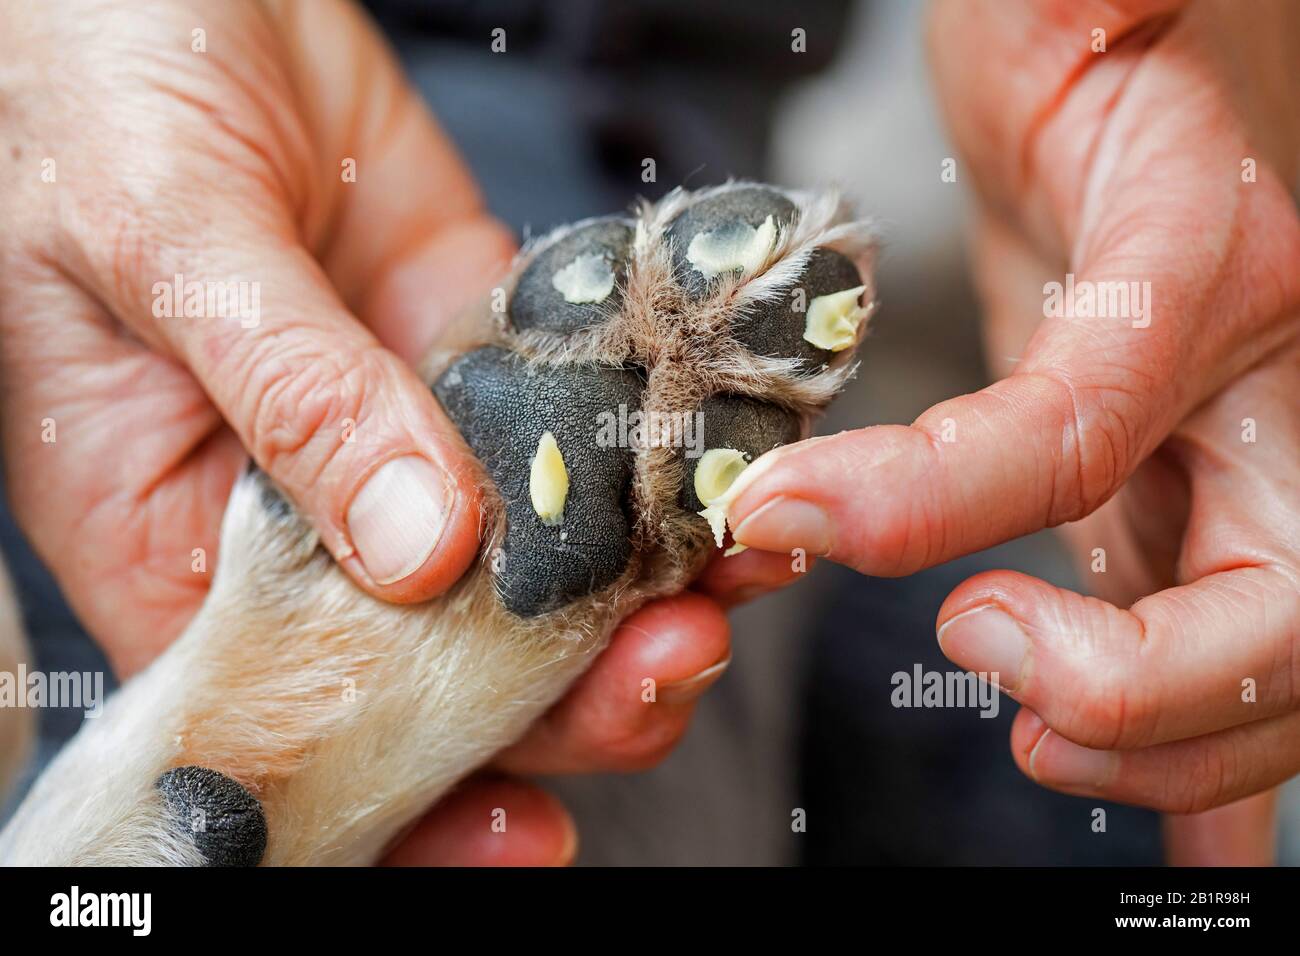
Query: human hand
point(1122, 166)
point(136, 149)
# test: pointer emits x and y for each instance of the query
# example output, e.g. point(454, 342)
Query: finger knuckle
point(1099, 716)
point(907, 530)
point(1099, 445)
point(124, 244)
point(301, 403)
point(1203, 780)
point(1109, 712)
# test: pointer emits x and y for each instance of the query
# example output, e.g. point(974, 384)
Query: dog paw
point(632, 369)
point(640, 365)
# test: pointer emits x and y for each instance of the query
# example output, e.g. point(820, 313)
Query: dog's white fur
point(347, 717)
point(344, 716)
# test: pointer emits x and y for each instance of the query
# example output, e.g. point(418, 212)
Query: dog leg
point(300, 721)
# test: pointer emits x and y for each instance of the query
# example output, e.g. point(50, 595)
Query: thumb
point(342, 425)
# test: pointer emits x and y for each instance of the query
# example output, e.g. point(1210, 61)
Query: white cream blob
point(735, 246)
point(587, 279)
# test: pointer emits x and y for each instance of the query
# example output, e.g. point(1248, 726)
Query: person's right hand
point(1181, 437)
point(133, 149)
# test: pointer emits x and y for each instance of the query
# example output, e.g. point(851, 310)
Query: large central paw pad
point(566, 492)
point(643, 325)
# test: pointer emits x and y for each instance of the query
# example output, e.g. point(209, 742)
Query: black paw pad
point(722, 234)
point(562, 542)
point(741, 424)
point(777, 328)
point(575, 282)
point(223, 819)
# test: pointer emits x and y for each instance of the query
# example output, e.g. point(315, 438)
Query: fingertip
point(809, 496)
point(414, 529)
point(1027, 729)
point(491, 821)
point(635, 703)
point(749, 575)
point(1018, 594)
point(673, 638)
point(676, 646)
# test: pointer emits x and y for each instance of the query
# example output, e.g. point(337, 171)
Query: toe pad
point(576, 281)
point(743, 424)
point(776, 327)
point(725, 233)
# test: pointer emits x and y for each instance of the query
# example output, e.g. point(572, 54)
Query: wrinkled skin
point(228, 163)
point(1123, 165)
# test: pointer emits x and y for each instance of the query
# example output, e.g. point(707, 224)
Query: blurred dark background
point(557, 128)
